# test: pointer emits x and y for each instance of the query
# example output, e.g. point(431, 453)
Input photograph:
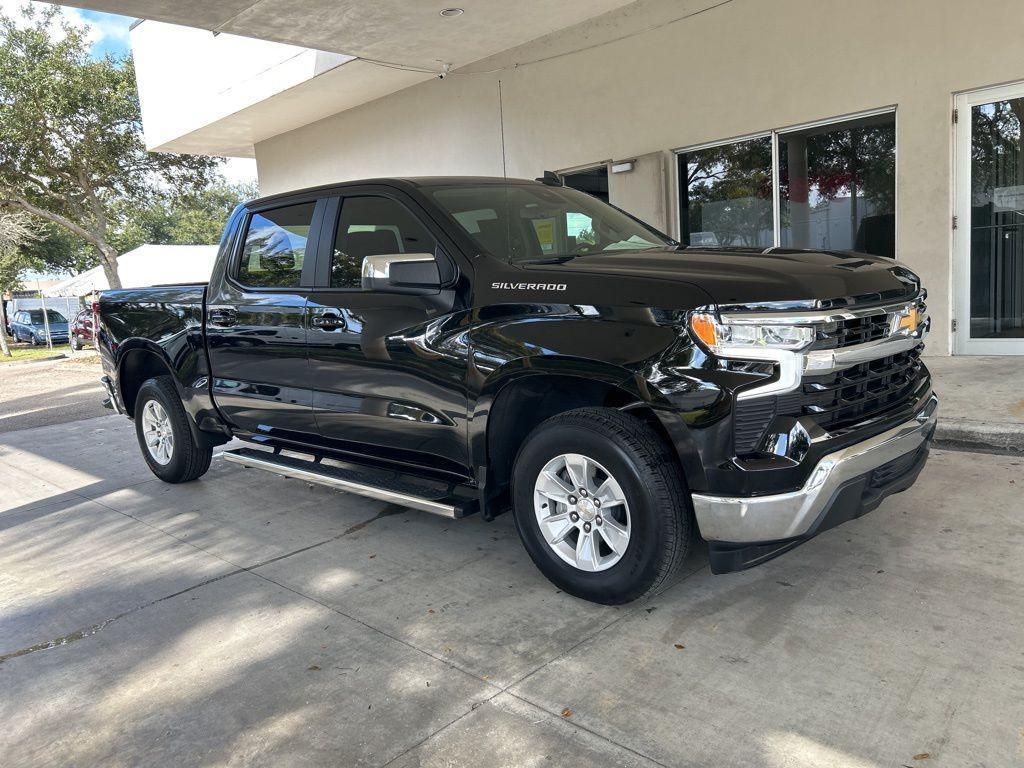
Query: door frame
point(963, 102)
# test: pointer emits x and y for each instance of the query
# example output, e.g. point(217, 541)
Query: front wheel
point(601, 506)
point(164, 435)
point(76, 343)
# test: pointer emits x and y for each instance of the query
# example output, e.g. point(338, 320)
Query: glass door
point(988, 241)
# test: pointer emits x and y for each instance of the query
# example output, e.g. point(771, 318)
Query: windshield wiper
point(550, 259)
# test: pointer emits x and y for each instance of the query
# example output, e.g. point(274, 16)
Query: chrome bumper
point(791, 515)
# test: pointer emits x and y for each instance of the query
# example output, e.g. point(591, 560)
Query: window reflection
point(275, 247)
point(837, 186)
point(837, 189)
point(726, 195)
point(997, 220)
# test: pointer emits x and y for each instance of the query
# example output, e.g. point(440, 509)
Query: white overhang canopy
point(221, 93)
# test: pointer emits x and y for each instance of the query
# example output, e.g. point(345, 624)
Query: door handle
point(223, 317)
point(329, 321)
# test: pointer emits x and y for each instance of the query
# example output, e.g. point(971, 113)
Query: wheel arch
point(138, 363)
point(522, 396)
point(144, 360)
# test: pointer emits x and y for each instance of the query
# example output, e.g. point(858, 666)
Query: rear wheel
point(76, 343)
point(601, 506)
point(165, 437)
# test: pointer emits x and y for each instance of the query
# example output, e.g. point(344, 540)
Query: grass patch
point(33, 353)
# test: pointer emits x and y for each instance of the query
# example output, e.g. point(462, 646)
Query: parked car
point(28, 325)
point(81, 330)
point(484, 345)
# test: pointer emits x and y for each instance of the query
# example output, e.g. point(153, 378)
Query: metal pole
point(46, 317)
point(93, 304)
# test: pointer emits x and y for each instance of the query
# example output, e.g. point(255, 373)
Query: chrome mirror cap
point(378, 266)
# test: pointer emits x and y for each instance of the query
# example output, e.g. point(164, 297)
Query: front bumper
point(745, 531)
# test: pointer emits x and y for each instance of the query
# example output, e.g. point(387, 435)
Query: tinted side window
point(275, 247)
point(370, 226)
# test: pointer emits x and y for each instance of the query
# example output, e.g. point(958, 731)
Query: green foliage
point(192, 218)
point(71, 149)
point(57, 250)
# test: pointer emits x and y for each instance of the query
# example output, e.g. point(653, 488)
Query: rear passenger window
point(371, 226)
point(275, 247)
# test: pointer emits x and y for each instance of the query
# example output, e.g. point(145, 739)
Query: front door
point(255, 324)
point(988, 241)
point(382, 386)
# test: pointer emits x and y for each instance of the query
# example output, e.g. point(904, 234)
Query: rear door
point(255, 327)
point(382, 385)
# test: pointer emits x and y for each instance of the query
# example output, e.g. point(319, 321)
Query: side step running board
point(426, 495)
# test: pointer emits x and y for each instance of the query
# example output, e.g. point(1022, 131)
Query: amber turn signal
point(704, 329)
point(909, 321)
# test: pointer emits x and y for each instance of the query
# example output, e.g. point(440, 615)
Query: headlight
point(735, 338)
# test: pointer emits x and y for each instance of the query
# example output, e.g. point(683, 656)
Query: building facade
point(891, 128)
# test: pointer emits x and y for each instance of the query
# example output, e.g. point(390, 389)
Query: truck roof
point(401, 181)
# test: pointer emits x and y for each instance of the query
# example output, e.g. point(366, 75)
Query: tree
point(192, 218)
point(16, 231)
point(71, 149)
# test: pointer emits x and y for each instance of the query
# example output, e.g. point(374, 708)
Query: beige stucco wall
point(748, 66)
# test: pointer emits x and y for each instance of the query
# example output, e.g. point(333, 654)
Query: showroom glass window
point(837, 186)
point(835, 189)
point(726, 196)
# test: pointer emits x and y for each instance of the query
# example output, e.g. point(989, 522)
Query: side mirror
point(401, 273)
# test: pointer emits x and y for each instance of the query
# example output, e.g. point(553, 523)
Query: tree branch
point(56, 218)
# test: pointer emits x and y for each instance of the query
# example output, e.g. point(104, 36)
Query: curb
point(983, 436)
point(35, 360)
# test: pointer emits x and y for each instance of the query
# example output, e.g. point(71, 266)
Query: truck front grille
point(855, 330)
point(846, 397)
point(834, 400)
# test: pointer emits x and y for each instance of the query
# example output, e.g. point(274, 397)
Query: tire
point(654, 509)
point(76, 343)
point(182, 459)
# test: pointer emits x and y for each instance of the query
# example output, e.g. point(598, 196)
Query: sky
point(108, 33)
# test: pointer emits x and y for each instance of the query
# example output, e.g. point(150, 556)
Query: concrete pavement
point(246, 619)
point(982, 402)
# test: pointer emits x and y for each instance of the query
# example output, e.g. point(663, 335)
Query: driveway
point(51, 392)
point(250, 620)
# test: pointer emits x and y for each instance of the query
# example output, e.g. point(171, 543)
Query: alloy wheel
point(582, 512)
point(157, 431)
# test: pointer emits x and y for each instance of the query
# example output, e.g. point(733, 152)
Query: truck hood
point(769, 278)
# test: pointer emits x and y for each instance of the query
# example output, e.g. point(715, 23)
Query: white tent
point(145, 266)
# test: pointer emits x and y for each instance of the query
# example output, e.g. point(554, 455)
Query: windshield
point(51, 316)
point(527, 222)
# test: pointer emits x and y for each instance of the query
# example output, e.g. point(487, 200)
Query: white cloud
point(102, 29)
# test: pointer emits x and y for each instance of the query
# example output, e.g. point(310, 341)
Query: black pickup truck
point(478, 345)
